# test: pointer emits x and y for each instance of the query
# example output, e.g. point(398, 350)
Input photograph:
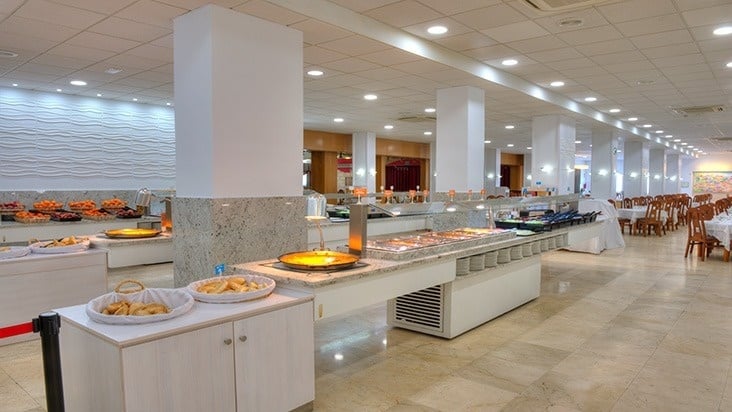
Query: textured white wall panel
point(57, 141)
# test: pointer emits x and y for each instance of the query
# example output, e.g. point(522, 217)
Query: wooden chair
point(669, 206)
point(684, 205)
point(652, 220)
point(639, 201)
point(697, 234)
point(627, 203)
point(720, 206)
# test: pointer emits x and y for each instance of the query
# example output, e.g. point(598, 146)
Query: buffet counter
point(14, 232)
point(462, 301)
point(249, 356)
point(132, 252)
point(37, 283)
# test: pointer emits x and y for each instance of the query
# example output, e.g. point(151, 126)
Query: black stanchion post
point(48, 324)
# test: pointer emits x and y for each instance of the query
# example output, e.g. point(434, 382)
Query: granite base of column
point(208, 232)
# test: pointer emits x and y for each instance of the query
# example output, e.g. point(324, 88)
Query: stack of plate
point(463, 266)
point(504, 256)
point(544, 245)
point(552, 243)
point(526, 250)
point(477, 263)
point(491, 259)
point(516, 253)
point(536, 247)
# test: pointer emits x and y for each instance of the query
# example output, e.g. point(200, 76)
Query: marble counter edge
point(11, 225)
point(99, 240)
point(202, 315)
point(40, 256)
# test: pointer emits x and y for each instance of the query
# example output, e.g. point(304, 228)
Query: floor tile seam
point(21, 387)
point(726, 383)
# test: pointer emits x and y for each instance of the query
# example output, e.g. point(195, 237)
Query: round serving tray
point(130, 233)
point(39, 248)
point(318, 260)
point(192, 290)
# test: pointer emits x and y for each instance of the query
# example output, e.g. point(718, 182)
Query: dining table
point(638, 212)
point(720, 227)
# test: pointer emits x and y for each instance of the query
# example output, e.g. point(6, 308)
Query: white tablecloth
point(720, 227)
point(610, 237)
point(638, 212)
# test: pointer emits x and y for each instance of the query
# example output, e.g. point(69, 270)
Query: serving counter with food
point(17, 232)
point(134, 246)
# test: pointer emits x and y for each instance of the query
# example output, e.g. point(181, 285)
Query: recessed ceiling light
point(684, 144)
point(647, 125)
point(134, 99)
point(315, 73)
point(614, 110)
point(659, 131)
point(645, 82)
point(338, 120)
point(677, 140)
point(509, 62)
point(15, 84)
point(729, 64)
point(529, 147)
point(77, 83)
point(696, 149)
point(668, 136)
point(59, 90)
point(577, 141)
point(388, 127)
point(689, 147)
point(370, 97)
point(437, 30)
point(427, 133)
point(486, 141)
point(557, 83)
point(590, 99)
point(430, 110)
point(99, 95)
point(632, 119)
point(509, 145)
point(509, 126)
point(113, 70)
point(167, 103)
point(723, 31)
point(8, 54)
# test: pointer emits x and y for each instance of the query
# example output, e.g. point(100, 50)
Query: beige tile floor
point(639, 329)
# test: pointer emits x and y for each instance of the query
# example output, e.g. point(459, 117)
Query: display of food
point(70, 244)
point(114, 203)
point(31, 217)
point(67, 241)
point(81, 205)
point(65, 216)
point(230, 285)
point(318, 260)
point(128, 213)
point(131, 233)
point(14, 206)
point(231, 289)
point(47, 205)
point(4, 248)
point(127, 308)
point(421, 240)
point(95, 214)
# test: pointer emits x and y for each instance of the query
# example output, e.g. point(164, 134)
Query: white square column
point(460, 139)
point(492, 170)
point(364, 160)
point(604, 162)
point(657, 171)
point(635, 168)
point(672, 183)
point(552, 163)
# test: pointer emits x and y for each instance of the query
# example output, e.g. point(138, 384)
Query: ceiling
point(644, 57)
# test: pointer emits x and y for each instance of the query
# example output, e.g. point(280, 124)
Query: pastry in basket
point(231, 285)
point(95, 214)
point(47, 204)
point(127, 308)
point(67, 241)
point(26, 217)
point(87, 204)
point(14, 205)
point(113, 203)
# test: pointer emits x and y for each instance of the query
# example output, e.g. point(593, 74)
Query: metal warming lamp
point(316, 212)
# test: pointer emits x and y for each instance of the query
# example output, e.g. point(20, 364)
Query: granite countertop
point(101, 240)
point(374, 266)
point(145, 219)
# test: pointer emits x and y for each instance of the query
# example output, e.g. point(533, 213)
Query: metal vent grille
point(562, 5)
point(699, 110)
point(423, 308)
point(416, 118)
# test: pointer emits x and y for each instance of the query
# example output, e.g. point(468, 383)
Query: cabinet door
point(193, 371)
point(275, 356)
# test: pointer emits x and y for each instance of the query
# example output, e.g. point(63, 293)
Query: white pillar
point(238, 106)
point(528, 176)
point(657, 171)
point(603, 163)
point(460, 138)
point(672, 183)
point(364, 160)
point(492, 170)
point(634, 167)
point(552, 163)
point(433, 166)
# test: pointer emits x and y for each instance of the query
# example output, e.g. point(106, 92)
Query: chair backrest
point(697, 231)
point(639, 201)
point(612, 202)
point(654, 210)
point(627, 203)
point(706, 211)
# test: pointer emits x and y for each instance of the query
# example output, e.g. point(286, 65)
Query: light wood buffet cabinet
point(252, 356)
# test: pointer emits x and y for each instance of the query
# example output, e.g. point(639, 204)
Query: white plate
point(177, 300)
point(525, 232)
point(37, 248)
point(15, 252)
point(231, 297)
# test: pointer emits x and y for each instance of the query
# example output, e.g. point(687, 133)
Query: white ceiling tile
point(454, 28)
point(382, 73)
point(86, 53)
point(45, 69)
point(9, 6)
point(128, 29)
point(636, 9)
point(350, 65)
point(21, 75)
point(488, 17)
point(390, 57)
point(651, 25)
point(128, 60)
point(194, 4)
point(152, 12)
point(515, 31)
point(152, 52)
point(682, 77)
point(585, 36)
point(566, 53)
point(101, 42)
point(268, 11)
point(419, 67)
point(572, 64)
point(668, 51)
point(139, 83)
point(686, 60)
point(539, 44)
point(723, 43)
point(100, 6)
point(165, 41)
point(119, 88)
point(455, 7)
point(471, 40)
point(354, 45)
point(62, 61)
point(709, 15)
point(491, 52)
point(58, 14)
point(403, 13)
point(363, 5)
point(14, 42)
point(36, 28)
point(95, 76)
point(613, 58)
point(590, 18)
point(696, 68)
point(319, 55)
point(662, 39)
point(377, 87)
point(606, 47)
point(315, 32)
point(168, 68)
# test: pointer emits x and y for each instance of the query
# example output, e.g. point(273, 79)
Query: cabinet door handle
point(227, 341)
point(243, 338)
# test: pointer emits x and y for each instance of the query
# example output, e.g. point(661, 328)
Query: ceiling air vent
point(562, 5)
point(416, 118)
point(699, 110)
